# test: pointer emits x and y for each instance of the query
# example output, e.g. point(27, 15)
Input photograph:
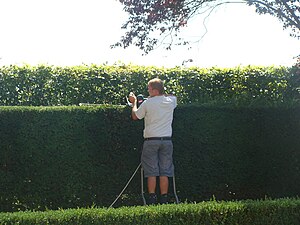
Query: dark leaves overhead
point(150, 22)
point(287, 11)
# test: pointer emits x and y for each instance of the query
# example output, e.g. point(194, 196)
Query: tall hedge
point(75, 156)
point(51, 85)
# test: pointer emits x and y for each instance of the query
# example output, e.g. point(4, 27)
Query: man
point(157, 153)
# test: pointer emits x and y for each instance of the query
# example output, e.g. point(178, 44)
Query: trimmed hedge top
point(281, 211)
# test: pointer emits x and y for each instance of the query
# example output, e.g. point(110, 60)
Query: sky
point(76, 32)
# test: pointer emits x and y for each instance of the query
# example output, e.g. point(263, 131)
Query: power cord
point(111, 205)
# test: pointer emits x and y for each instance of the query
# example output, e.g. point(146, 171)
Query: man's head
point(156, 87)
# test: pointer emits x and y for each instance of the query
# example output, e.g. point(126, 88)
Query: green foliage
point(52, 86)
point(67, 157)
point(236, 152)
point(63, 156)
point(280, 211)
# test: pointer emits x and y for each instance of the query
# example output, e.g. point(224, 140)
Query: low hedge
point(271, 212)
point(66, 157)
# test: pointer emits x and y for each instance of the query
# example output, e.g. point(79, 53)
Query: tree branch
point(274, 10)
point(148, 17)
point(297, 23)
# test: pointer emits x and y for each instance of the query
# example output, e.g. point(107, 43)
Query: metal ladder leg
point(174, 190)
point(142, 186)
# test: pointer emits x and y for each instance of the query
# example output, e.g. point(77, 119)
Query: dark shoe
point(152, 199)
point(164, 199)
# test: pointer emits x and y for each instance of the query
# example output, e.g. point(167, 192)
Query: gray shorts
point(157, 158)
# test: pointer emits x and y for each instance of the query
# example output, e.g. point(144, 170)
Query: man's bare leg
point(151, 184)
point(164, 184)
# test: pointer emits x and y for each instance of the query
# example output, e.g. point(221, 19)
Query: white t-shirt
point(158, 114)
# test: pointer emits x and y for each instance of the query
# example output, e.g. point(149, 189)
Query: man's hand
point(132, 98)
